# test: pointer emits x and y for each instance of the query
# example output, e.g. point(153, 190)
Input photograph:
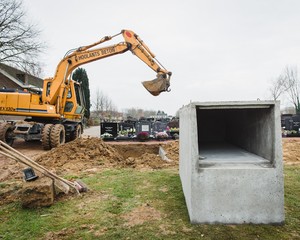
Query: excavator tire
point(6, 133)
point(46, 136)
point(57, 135)
point(77, 133)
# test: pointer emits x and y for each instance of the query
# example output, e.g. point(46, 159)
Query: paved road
point(92, 132)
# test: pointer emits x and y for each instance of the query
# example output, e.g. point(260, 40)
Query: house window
point(21, 77)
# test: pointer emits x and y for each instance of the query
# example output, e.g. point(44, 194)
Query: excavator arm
point(58, 86)
point(141, 50)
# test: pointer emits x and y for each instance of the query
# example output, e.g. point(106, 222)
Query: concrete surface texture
point(231, 162)
point(93, 131)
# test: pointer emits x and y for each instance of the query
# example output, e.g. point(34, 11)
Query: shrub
point(162, 136)
point(106, 135)
point(143, 136)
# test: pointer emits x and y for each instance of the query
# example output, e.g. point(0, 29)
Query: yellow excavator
point(55, 115)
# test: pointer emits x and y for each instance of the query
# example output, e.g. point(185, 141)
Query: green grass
point(99, 214)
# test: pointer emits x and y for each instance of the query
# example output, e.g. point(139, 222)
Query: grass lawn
point(131, 204)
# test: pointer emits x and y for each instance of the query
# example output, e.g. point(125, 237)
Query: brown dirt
point(90, 155)
point(93, 153)
point(87, 155)
point(140, 215)
point(291, 150)
point(11, 175)
point(79, 155)
point(10, 169)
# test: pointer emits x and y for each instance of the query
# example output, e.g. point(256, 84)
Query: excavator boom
point(87, 54)
point(142, 51)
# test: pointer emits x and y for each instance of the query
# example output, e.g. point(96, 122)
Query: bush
point(162, 136)
point(106, 135)
point(143, 136)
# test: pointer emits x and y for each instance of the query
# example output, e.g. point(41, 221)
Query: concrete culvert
point(231, 162)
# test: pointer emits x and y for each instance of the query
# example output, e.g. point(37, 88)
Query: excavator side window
point(48, 88)
point(79, 99)
point(78, 96)
point(69, 95)
point(69, 106)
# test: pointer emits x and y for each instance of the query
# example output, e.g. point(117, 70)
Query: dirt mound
point(78, 155)
point(291, 150)
point(90, 153)
point(146, 155)
point(172, 150)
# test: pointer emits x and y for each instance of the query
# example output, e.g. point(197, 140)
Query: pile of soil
point(90, 153)
point(291, 150)
point(145, 156)
point(79, 155)
point(83, 155)
point(172, 150)
point(93, 154)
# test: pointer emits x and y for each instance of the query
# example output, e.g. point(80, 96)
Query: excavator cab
point(75, 105)
point(158, 85)
point(80, 99)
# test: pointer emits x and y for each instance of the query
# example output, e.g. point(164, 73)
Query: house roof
point(15, 76)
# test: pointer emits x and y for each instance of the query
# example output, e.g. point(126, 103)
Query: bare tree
point(96, 103)
point(103, 106)
point(107, 104)
point(278, 87)
point(132, 112)
point(19, 41)
point(149, 113)
point(138, 113)
point(292, 86)
point(99, 103)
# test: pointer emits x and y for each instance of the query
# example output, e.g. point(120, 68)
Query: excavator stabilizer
point(157, 85)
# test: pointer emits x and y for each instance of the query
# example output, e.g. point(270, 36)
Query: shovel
point(158, 85)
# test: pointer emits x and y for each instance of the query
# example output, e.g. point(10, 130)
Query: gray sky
point(217, 50)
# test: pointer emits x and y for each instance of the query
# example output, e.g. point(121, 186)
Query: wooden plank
point(62, 183)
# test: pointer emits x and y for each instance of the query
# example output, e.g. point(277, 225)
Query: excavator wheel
point(6, 133)
point(57, 135)
point(77, 133)
point(46, 136)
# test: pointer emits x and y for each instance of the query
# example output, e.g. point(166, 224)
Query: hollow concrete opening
point(235, 134)
point(231, 162)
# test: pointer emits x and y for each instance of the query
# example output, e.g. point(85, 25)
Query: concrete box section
point(231, 162)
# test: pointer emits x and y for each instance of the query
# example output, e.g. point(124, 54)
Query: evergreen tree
point(80, 76)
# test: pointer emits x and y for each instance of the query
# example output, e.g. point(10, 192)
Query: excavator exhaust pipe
point(158, 85)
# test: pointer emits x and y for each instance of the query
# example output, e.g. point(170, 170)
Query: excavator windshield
point(80, 99)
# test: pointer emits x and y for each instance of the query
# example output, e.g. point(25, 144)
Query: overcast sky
point(217, 50)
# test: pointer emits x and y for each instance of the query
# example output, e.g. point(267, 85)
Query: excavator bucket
point(157, 85)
